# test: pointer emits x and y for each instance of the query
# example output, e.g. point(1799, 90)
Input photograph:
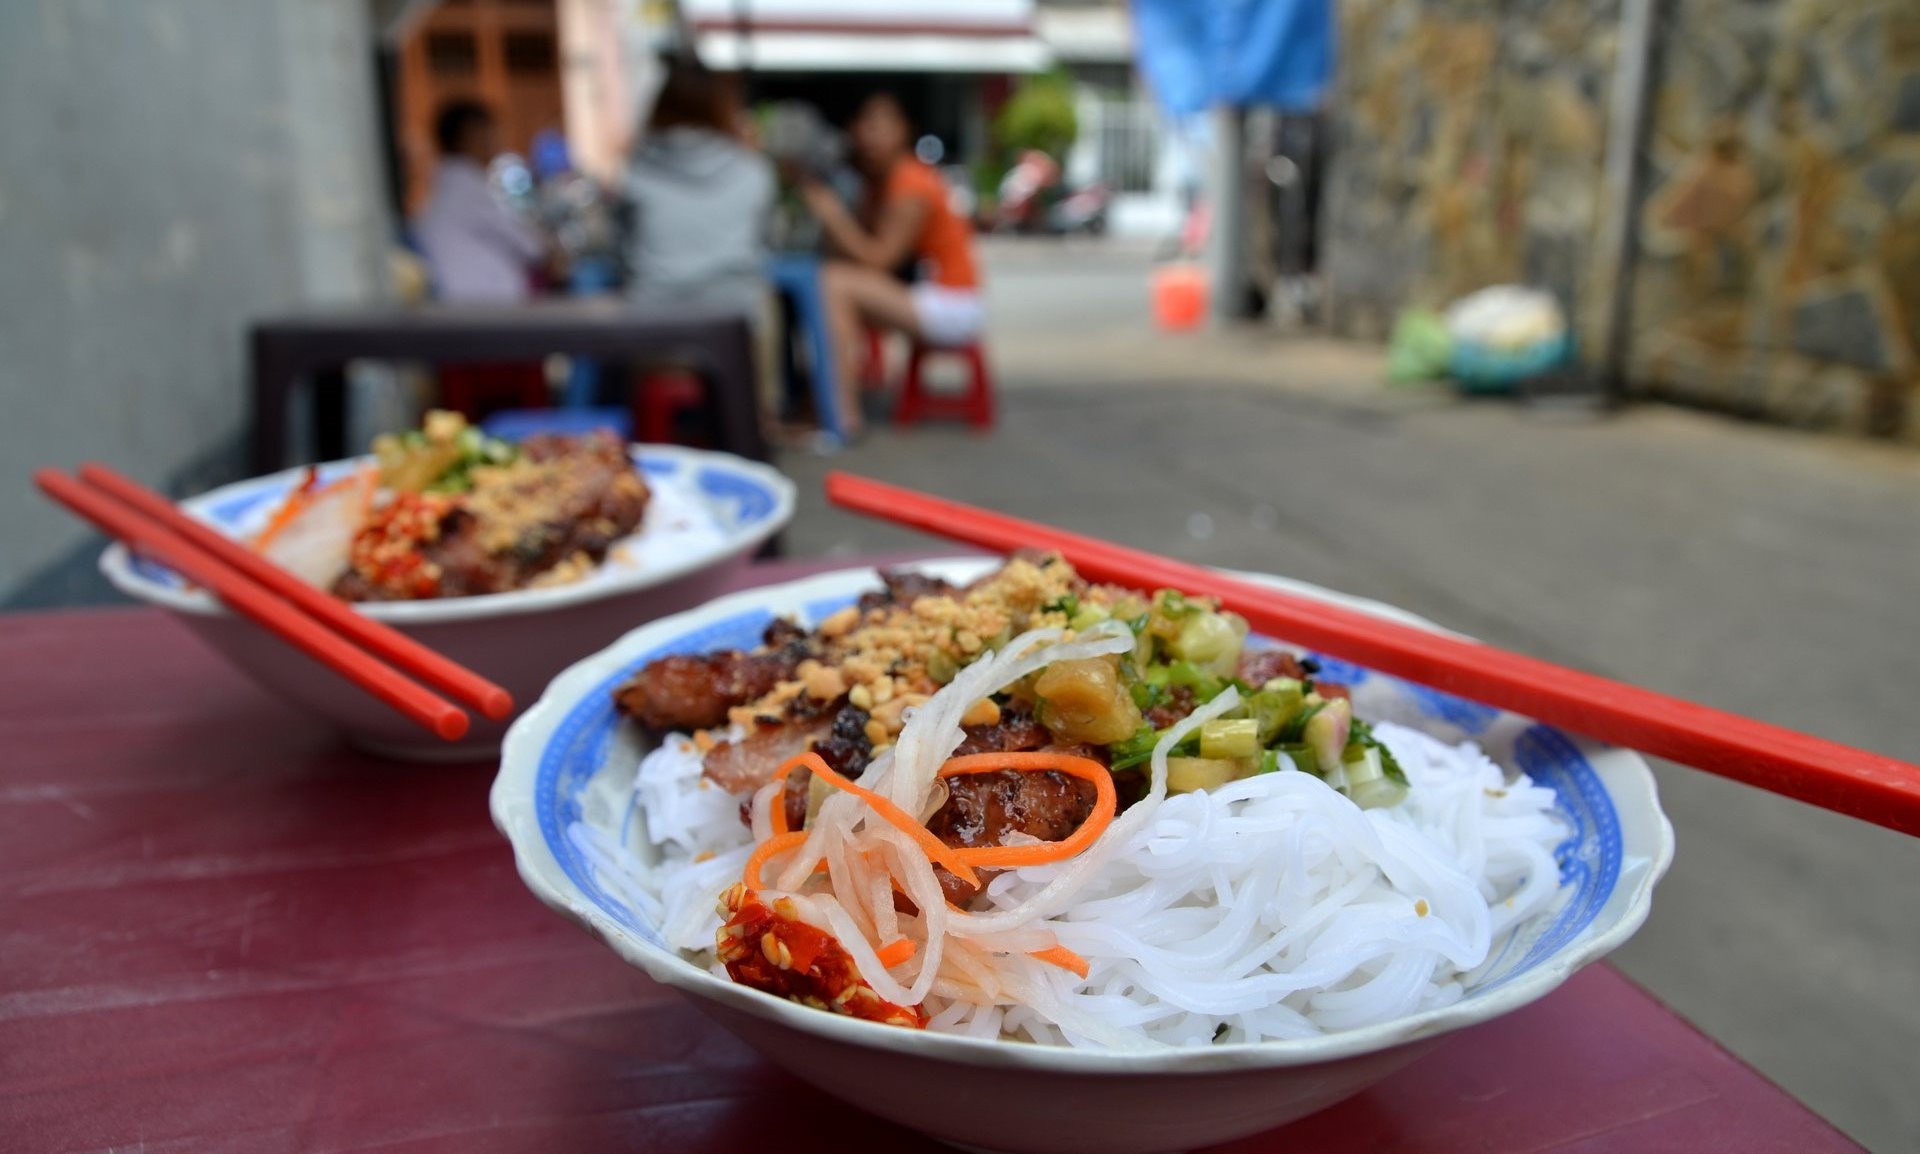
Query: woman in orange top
point(910, 218)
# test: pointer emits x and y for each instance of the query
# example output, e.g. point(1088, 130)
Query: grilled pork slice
point(986, 809)
point(688, 693)
point(551, 514)
point(904, 587)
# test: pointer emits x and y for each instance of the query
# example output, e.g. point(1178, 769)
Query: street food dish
point(446, 511)
point(1038, 808)
point(704, 515)
point(566, 798)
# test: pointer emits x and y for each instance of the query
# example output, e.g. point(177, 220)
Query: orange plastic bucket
point(1179, 296)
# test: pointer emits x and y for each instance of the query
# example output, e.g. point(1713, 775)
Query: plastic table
point(317, 345)
point(221, 930)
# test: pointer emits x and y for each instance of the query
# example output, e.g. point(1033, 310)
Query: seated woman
point(701, 199)
point(906, 218)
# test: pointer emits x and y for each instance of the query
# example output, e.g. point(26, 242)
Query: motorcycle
point(1021, 203)
point(1082, 211)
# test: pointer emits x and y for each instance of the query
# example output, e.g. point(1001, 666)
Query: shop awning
point(1086, 35)
point(867, 35)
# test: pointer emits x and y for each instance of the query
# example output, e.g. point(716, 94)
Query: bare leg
point(855, 297)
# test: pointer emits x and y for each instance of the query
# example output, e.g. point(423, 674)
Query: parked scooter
point(1021, 204)
point(1082, 211)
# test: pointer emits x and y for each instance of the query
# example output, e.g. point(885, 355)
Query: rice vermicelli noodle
point(1268, 907)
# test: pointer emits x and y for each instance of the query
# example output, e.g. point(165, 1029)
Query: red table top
point(221, 930)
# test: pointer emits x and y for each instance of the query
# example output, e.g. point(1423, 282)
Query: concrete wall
point(167, 170)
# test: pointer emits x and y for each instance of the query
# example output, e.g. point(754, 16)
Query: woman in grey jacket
point(702, 200)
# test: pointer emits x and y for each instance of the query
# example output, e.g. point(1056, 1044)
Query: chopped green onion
point(1192, 774)
point(1088, 617)
point(1382, 794)
point(1133, 751)
point(1364, 769)
point(1137, 750)
point(1273, 705)
point(941, 667)
point(1143, 640)
point(1367, 783)
point(1302, 756)
point(1172, 603)
point(1327, 730)
point(1206, 638)
point(1209, 640)
point(1221, 737)
point(1362, 734)
point(1296, 726)
point(1205, 686)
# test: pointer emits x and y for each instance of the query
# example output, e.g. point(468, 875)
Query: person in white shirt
point(476, 248)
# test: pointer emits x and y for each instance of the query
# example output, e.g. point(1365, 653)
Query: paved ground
point(1760, 571)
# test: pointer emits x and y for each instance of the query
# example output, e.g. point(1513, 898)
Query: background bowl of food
point(512, 561)
point(1365, 913)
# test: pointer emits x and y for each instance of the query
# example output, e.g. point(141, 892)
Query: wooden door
point(503, 53)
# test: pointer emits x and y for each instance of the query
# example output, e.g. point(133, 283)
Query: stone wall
point(1469, 139)
point(1775, 263)
point(1777, 269)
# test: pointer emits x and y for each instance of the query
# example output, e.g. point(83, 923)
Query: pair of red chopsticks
point(373, 656)
point(1824, 773)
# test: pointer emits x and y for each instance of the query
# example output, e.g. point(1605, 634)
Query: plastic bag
point(1504, 335)
point(1507, 317)
point(1419, 349)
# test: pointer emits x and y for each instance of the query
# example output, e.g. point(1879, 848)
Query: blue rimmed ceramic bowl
point(707, 514)
point(570, 761)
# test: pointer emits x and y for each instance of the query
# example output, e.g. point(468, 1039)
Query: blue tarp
point(1199, 53)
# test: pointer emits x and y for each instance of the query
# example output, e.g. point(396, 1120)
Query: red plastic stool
point(873, 370)
point(659, 400)
point(474, 390)
point(974, 404)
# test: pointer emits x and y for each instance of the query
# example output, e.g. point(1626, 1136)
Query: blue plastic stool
point(519, 424)
point(590, 276)
point(797, 277)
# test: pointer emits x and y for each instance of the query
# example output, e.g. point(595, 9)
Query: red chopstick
point(252, 600)
point(411, 657)
point(1852, 781)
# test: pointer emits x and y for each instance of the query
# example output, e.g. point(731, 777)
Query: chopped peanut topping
point(903, 653)
point(981, 712)
point(841, 623)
